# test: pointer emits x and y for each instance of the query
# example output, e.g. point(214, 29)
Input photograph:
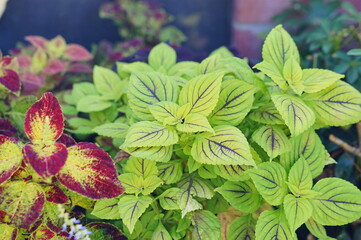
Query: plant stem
point(345, 146)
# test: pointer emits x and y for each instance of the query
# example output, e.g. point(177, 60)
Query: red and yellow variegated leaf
point(10, 158)
point(54, 194)
point(10, 79)
point(42, 233)
point(8, 232)
point(37, 41)
point(44, 121)
point(46, 160)
point(22, 201)
point(75, 52)
point(91, 172)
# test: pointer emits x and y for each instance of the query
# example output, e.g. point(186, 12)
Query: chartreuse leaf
point(169, 199)
point(300, 178)
point(316, 80)
point(92, 103)
point(114, 130)
point(206, 226)
point(147, 88)
point(11, 157)
point(158, 154)
point(240, 68)
point(337, 105)
point(273, 72)
point(22, 202)
point(165, 112)
point(108, 83)
point(272, 224)
point(170, 172)
point(338, 203)
point(210, 64)
point(235, 101)
point(8, 231)
point(194, 122)
point(141, 167)
point(241, 195)
point(131, 208)
point(161, 233)
point(267, 114)
point(149, 134)
point(227, 146)
point(292, 72)
point(296, 114)
point(297, 211)
point(217, 204)
point(232, 172)
point(272, 139)
point(270, 181)
point(202, 92)
point(106, 209)
point(242, 228)
point(309, 146)
point(79, 91)
point(162, 55)
point(317, 229)
point(136, 184)
point(184, 69)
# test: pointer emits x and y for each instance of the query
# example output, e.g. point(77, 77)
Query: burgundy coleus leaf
point(54, 66)
point(31, 82)
point(75, 52)
point(44, 121)
point(22, 201)
point(90, 171)
point(105, 231)
point(10, 158)
point(37, 41)
point(24, 61)
point(54, 194)
point(8, 77)
point(46, 160)
point(66, 140)
point(6, 128)
point(79, 67)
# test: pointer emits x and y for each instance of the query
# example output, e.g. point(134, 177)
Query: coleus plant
point(205, 139)
point(9, 78)
point(43, 65)
point(49, 170)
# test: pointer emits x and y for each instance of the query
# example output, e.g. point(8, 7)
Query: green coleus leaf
point(297, 211)
point(131, 208)
point(114, 130)
point(194, 122)
point(222, 52)
point(217, 204)
point(242, 228)
point(161, 233)
point(272, 71)
point(170, 172)
point(11, 157)
point(149, 222)
point(296, 114)
point(101, 230)
point(106, 209)
point(108, 83)
point(270, 181)
point(158, 154)
point(232, 172)
point(162, 55)
point(210, 64)
point(235, 101)
point(227, 146)
point(337, 105)
point(309, 146)
point(207, 171)
point(316, 80)
point(292, 72)
point(240, 68)
point(8, 231)
point(23, 202)
point(136, 184)
point(165, 112)
point(267, 114)
point(148, 88)
point(317, 229)
point(149, 134)
point(202, 92)
point(79, 91)
point(300, 178)
point(272, 224)
point(184, 69)
point(169, 199)
point(206, 226)
point(92, 103)
point(338, 203)
point(241, 195)
point(141, 167)
point(81, 125)
point(272, 139)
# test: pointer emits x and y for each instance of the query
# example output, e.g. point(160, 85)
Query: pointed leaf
point(148, 134)
point(297, 211)
point(161, 233)
point(241, 195)
point(165, 112)
point(162, 55)
point(101, 230)
point(44, 121)
point(75, 52)
point(270, 181)
point(296, 114)
point(54, 194)
point(158, 154)
point(227, 146)
point(170, 172)
point(90, 171)
point(242, 228)
point(272, 224)
point(339, 202)
point(169, 199)
point(114, 130)
point(141, 167)
point(54, 66)
point(11, 157)
point(37, 41)
point(202, 92)
point(131, 208)
point(92, 103)
point(23, 202)
point(316, 80)
point(235, 101)
point(232, 172)
point(136, 184)
point(272, 139)
point(292, 72)
point(210, 64)
point(272, 71)
point(300, 177)
point(106, 209)
point(194, 122)
point(267, 114)
point(46, 160)
point(206, 226)
point(10, 80)
point(317, 229)
point(337, 105)
point(108, 83)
